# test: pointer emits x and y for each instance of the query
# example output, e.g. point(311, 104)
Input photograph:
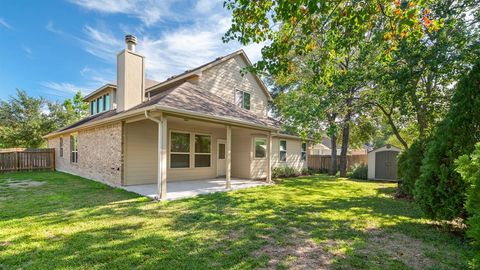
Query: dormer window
point(100, 104)
point(242, 99)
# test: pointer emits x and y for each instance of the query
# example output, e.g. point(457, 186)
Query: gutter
point(165, 109)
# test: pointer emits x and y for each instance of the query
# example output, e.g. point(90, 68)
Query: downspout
point(160, 179)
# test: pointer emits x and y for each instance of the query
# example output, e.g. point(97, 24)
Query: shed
point(382, 163)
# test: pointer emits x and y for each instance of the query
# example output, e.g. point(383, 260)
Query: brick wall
point(99, 154)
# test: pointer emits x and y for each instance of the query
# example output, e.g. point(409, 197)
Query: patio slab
point(184, 189)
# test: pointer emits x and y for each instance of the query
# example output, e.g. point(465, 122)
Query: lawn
point(58, 221)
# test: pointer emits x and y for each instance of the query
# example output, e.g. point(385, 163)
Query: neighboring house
point(324, 148)
point(204, 123)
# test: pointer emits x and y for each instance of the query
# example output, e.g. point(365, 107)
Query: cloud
point(101, 43)
point(63, 88)
point(27, 50)
point(4, 23)
point(148, 11)
point(51, 27)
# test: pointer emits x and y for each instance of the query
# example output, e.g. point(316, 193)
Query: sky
point(57, 47)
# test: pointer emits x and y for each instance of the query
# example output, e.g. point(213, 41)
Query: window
point(93, 107)
point(260, 148)
point(100, 104)
point(304, 151)
point(74, 148)
point(61, 146)
point(179, 150)
point(242, 99)
point(283, 150)
point(106, 100)
point(221, 151)
point(202, 150)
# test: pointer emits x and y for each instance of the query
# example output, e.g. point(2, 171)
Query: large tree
point(25, 119)
point(330, 43)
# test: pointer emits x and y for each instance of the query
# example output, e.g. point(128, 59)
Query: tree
point(327, 40)
point(24, 119)
point(440, 191)
point(414, 88)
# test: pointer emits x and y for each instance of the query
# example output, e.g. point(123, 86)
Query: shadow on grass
point(104, 228)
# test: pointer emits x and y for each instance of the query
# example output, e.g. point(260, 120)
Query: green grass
point(72, 223)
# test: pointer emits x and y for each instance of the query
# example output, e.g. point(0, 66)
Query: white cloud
point(148, 11)
point(62, 89)
point(4, 23)
point(51, 27)
point(27, 50)
point(189, 37)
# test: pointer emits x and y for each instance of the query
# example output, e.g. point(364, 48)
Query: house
point(210, 121)
point(324, 148)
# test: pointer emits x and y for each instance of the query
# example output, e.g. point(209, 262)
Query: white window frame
point(61, 146)
point(280, 150)
point(191, 153)
point(255, 147)
point(243, 99)
point(303, 151)
point(195, 152)
point(74, 150)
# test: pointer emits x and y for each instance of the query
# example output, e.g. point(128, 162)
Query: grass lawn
point(59, 221)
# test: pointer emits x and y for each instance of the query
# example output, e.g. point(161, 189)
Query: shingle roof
point(190, 99)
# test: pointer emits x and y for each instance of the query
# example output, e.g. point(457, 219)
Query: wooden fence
point(322, 162)
point(21, 159)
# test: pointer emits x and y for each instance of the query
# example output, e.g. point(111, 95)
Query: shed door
point(386, 165)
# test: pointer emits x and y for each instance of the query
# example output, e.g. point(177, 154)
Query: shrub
point(409, 163)
point(359, 171)
point(284, 171)
point(440, 190)
point(469, 169)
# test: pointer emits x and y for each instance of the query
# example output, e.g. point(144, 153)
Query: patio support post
point(228, 158)
point(162, 159)
point(269, 157)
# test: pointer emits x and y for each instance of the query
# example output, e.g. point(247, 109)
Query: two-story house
point(208, 122)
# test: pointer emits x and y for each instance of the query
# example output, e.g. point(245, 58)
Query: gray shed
point(382, 163)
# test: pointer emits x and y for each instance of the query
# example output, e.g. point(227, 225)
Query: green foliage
point(24, 119)
point(469, 169)
point(440, 190)
point(284, 171)
point(409, 164)
point(359, 171)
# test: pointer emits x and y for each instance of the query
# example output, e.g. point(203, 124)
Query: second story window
point(100, 104)
point(242, 99)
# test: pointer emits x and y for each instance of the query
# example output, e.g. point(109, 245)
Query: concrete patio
point(184, 189)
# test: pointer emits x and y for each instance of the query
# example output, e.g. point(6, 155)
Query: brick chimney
point(130, 76)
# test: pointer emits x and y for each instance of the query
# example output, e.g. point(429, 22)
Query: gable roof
point(186, 99)
point(199, 69)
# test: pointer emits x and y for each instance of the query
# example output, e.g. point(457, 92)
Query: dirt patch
point(401, 247)
point(301, 252)
point(10, 183)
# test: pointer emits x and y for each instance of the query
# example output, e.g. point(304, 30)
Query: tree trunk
point(333, 163)
point(343, 152)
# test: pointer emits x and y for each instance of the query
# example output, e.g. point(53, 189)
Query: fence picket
point(21, 159)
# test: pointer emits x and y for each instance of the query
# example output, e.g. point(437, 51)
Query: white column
point(228, 158)
point(269, 157)
point(162, 159)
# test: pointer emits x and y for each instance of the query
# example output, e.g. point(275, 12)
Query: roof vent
point(131, 41)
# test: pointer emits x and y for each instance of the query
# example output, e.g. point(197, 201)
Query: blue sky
point(54, 48)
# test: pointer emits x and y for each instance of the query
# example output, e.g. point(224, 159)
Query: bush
point(359, 171)
point(440, 190)
point(409, 163)
point(284, 171)
point(469, 169)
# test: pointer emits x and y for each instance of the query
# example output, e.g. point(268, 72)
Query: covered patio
point(184, 189)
